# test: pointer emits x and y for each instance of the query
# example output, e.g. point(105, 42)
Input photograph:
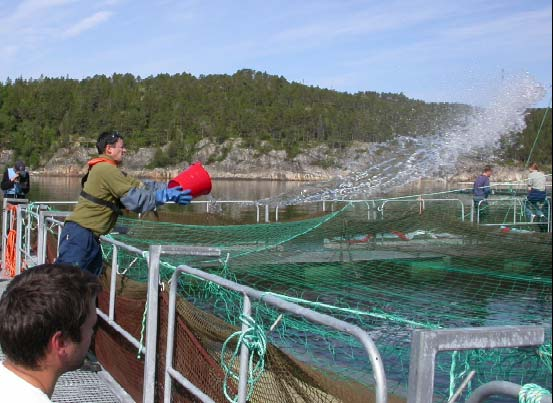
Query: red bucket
point(195, 178)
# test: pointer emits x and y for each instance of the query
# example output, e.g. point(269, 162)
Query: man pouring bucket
point(106, 192)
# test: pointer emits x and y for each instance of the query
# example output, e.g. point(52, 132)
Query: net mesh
point(386, 267)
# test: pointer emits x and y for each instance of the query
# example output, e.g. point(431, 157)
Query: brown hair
point(107, 138)
point(534, 166)
point(39, 302)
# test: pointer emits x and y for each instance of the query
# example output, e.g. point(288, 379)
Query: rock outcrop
point(231, 160)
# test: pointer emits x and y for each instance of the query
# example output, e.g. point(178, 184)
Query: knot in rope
point(253, 337)
point(532, 393)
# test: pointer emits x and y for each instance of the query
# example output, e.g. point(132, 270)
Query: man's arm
point(137, 196)
point(486, 186)
point(25, 182)
point(139, 200)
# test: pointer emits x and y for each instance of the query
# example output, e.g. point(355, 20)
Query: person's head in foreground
point(47, 319)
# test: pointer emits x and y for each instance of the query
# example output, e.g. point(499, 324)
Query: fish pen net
point(387, 268)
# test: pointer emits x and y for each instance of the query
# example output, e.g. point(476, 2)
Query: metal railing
point(8, 220)
point(504, 388)
point(425, 344)
point(518, 207)
point(422, 204)
point(248, 294)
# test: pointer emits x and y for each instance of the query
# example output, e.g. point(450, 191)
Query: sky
point(433, 50)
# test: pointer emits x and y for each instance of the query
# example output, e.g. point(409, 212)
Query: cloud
point(88, 23)
point(529, 22)
point(29, 8)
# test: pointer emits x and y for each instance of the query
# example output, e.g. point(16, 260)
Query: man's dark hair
point(105, 138)
point(39, 302)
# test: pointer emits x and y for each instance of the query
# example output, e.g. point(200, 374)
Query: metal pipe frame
point(422, 202)
point(425, 344)
point(44, 218)
point(361, 335)
point(499, 388)
point(19, 228)
point(517, 201)
point(152, 302)
point(6, 224)
point(244, 354)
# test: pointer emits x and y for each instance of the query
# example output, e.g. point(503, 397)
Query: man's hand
point(176, 195)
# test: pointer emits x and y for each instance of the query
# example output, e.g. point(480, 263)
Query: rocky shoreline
point(232, 161)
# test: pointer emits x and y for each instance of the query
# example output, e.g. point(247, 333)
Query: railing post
point(27, 232)
point(5, 226)
point(17, 246)
point(41, 238)
point(151, 324)
point(170, 344)
point(113, 281)
point(244, 355)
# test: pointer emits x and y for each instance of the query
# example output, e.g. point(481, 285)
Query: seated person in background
point(536, 193)
point(47, 316)
point(15, 182)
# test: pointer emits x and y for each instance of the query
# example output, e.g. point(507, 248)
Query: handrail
point(425, 344)
point(361, 335)
point(517, 201)
point(423, 201)
point(5, 224)
point(152, 301)
point(499, 388)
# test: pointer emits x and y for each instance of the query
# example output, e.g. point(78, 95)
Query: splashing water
point(406, 159)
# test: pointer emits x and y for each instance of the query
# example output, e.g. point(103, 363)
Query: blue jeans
point(483, 209)
point(80, 247)
point(533, 208)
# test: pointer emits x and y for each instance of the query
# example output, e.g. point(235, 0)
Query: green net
point(386, 267)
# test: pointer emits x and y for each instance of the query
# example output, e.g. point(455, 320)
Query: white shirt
point(14, 389)
point(536, 180)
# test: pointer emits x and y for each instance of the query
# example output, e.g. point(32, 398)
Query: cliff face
point(227, 161)
point(232, 161)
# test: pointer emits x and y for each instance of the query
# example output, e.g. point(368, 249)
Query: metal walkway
point(83, 386)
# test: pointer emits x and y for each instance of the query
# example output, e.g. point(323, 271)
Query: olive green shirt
point(107, 182)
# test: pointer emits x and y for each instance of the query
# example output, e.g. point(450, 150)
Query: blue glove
point(175, 194)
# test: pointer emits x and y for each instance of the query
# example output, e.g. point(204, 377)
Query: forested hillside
point(266, 111)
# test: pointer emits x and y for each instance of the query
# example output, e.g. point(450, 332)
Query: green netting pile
point(387, 270)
